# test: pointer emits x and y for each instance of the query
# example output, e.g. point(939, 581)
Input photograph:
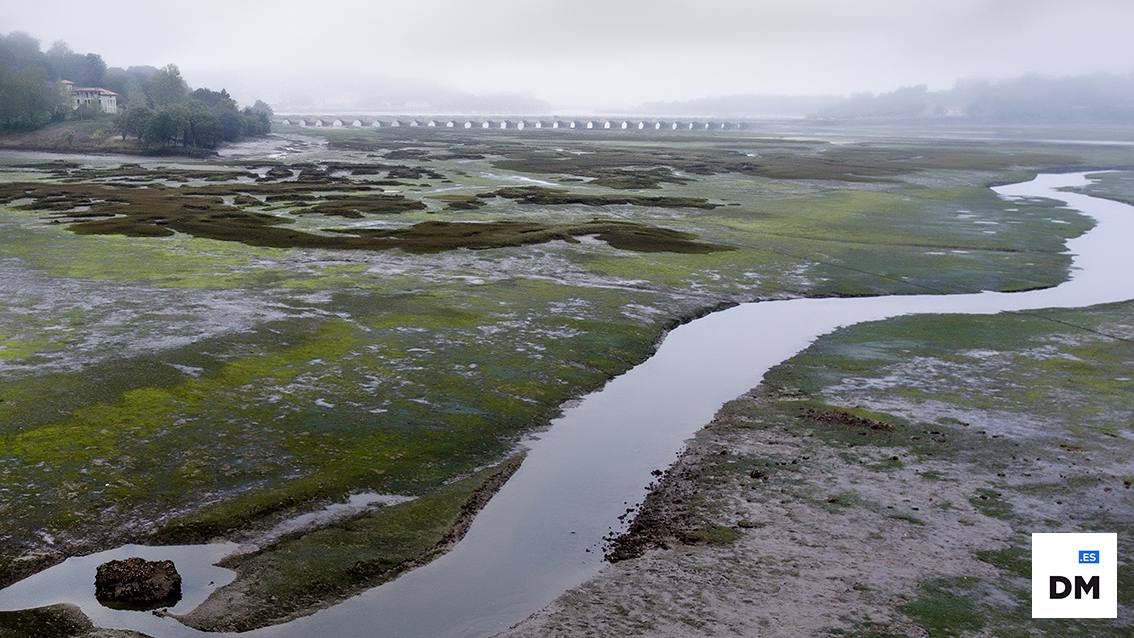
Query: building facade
point(104, 100)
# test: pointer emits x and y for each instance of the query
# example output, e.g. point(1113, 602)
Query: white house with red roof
point(104, 100)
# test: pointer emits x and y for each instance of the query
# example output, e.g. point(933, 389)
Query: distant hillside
point(154, 106)
point(743, 106)
point(1032, 99)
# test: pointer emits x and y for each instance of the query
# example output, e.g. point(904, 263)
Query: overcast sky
point(587, 54)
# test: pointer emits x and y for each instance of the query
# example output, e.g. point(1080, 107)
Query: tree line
point(156, 105)
point(174, 115)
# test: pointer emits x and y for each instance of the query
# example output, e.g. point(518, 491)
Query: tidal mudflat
point(199, 351)
point(908, 461)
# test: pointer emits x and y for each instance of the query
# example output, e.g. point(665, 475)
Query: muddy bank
point(55, 621)
point(577, 325)
point(275, 586)
point(862, 482)
point(305, 572)
point(88, 137)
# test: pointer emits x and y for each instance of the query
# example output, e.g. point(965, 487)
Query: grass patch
point(431, 237)
point(561, 197)
point(300, 573)
point(943, 612)
point(1013, 560)
point(53, 621)
point(710, 535)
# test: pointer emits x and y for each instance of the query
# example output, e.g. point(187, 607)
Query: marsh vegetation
point(218, 346)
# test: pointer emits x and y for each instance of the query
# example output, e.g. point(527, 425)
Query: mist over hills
point(1085, 99)
point(337, 92)
point(1029, 99)
point(749, 105)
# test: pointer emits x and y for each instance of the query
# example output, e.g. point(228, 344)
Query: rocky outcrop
point(138, 583)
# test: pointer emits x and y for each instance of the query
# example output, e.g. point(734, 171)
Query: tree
point(28, 98)
point(232, 124)
point(158, 107)
point(255, 123)
point(166, 87)
point(88, 111)
point(57, 56)
point(205, 130)
point(127, 83)
point(262, 107)
point(83, 70)
point(21, 50)
point(214, 99)
point(133, 121)
point(163, 128)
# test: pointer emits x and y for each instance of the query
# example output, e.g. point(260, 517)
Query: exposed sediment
point(303, 573)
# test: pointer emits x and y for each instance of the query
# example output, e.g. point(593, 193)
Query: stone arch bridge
point(510, 123)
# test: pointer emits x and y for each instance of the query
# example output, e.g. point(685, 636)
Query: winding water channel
point(531, 542)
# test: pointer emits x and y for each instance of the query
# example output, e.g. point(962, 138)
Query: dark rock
point(138, 583)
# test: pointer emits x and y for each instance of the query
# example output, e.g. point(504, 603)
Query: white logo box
point(1058, 555)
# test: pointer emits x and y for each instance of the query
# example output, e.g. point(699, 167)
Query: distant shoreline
point(89, 136)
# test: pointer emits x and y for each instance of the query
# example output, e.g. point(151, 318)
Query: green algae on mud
point(429, 237)
point(558, 196)
point(271, 449)
point(1042, 445)
point(301, 573)
point(409, 368)
point(1112, 184)
point(158, 211)
point(52, 621)
point(55, 621)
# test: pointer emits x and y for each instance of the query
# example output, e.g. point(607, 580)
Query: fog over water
point(583, 55)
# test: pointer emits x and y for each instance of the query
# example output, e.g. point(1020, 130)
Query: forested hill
point(156, 105)
point(1031, 99)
